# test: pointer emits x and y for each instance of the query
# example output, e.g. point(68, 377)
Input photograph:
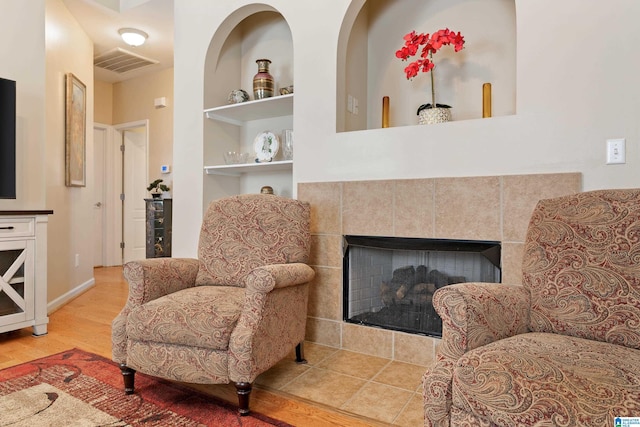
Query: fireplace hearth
point(389, 281)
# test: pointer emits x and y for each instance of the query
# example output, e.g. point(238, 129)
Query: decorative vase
point(287, 144)
point(429, 116)
point(263, 81)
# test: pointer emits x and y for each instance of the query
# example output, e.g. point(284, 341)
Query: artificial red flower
point(432, 44)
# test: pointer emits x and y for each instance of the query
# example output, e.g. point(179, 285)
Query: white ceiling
point(101, 20)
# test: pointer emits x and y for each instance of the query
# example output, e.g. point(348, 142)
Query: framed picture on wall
point(75, 127)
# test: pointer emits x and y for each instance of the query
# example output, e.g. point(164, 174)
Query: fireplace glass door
point(389, 282)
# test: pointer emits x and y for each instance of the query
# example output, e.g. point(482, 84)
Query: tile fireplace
point(485, 208)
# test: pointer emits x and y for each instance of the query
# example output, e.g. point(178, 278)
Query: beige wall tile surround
point(467, 208)
point(483, 208)
point(363, 339)
point(326, 208)
point(413, 212)
point(326, 250)
point(512, 262)
point(325, 295)
point(367, 208)
point(522, 192)
point(414, 349)
point(324, 331)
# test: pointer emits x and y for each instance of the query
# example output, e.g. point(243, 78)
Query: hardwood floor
point(85, 323)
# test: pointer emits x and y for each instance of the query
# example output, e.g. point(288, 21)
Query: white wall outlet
point(77, 260)
point(616, 151)
point(355, 106)
point(350, 103)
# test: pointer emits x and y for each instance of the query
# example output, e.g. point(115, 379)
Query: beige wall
point(24, 62)
point(133, 100)
point(103, 102)
point(68, 50)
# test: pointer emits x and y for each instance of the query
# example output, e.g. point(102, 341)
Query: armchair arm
point(149, 279)
point(153, 278)
point(269, 277)
point(473, 314)
point(273, 319)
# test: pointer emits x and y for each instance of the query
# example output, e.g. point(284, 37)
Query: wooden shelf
point(237, 114)
point(237, 170)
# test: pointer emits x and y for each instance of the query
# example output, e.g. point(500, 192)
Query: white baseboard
point(73, 293)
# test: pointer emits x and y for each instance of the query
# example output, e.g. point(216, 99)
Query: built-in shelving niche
point(368, 70)
point(245, 36)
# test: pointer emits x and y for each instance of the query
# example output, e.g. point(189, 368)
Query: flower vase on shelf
point(263, 81)
point(427, 45)
point(429, 116)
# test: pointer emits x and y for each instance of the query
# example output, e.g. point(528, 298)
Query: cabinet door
point(16, 281)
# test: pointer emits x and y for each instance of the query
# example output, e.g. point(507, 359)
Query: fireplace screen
point(389, 282)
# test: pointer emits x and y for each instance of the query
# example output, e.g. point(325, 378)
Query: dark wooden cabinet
point(158, 227)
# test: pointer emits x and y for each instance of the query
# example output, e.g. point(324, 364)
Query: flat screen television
point(7, 139)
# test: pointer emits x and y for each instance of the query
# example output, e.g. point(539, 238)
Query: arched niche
point(368, 69)
point(250, 33)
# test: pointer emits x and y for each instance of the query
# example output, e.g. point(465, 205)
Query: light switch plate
point(616, 151)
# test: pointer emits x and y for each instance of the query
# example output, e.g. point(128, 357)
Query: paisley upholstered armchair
point(563, 349)
point(232, 313)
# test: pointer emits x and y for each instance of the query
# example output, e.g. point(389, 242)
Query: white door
point(135, 191)
point(100, 144)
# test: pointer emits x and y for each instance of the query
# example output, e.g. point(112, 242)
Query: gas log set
point(407, 300)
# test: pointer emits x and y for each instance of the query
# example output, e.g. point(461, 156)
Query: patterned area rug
point(76, 388)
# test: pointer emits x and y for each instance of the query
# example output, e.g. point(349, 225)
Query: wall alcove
point(249, 34)
point(368, 70)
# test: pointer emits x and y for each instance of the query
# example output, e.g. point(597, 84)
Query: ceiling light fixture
point(133, 37)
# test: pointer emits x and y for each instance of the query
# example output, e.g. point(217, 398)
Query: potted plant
point(429, 113)
point(156, 188)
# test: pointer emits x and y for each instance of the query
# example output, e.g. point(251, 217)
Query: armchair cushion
point(581, 266)
point(243, 232)
point(532, 377)
point(203, 316)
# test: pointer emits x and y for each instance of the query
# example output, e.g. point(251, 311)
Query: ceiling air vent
point(120, 61)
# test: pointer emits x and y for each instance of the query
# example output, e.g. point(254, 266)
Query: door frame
point(108, 138)
point(120, 129)
point(114, 184)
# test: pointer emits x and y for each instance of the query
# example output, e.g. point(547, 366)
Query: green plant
point(157, 187)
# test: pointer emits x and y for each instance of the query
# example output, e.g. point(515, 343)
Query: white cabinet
point(23, 270)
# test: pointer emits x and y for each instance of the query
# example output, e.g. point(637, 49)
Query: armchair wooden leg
point(243, 390)
point(300, 354)
point(128, 375)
